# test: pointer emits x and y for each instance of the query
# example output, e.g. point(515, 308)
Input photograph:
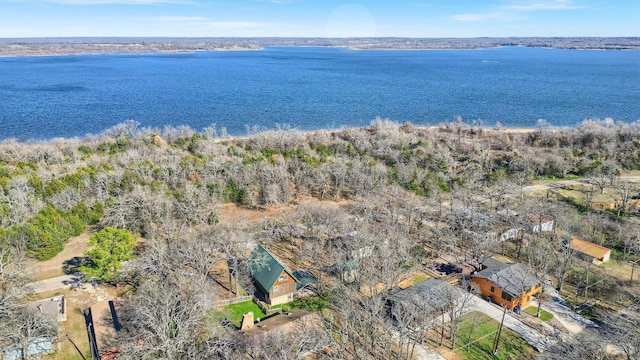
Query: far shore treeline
point(83, 45)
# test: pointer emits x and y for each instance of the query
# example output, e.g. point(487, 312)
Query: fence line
point(93, 345)
point(226, 302)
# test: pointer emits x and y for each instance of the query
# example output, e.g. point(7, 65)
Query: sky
point(318, 18)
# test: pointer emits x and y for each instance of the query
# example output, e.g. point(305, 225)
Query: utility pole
point(587, 286)
point(495, 343)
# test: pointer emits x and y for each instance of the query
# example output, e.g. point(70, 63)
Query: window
point(283, 277)
point(493, 289)
point(275, 288)
point(507, 296)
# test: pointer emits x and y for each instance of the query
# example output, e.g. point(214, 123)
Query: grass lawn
point(549, 179)
point(311, 303)
point(544, 315)
point(417, 279)
point(577, 196)
point(481, 331)
point(620, 269)
point(234, 312)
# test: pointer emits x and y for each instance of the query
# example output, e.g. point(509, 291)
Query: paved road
point(59, 282)
point(539, 341)
point(574, 322)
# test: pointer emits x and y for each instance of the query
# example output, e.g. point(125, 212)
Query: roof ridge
point(589, 243)
point(284, 267)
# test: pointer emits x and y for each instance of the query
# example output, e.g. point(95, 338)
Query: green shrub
point(85, 150)
point(48, 231)
point(312, 303)
point(232, 192)
point(110, 248)
point(88, 215)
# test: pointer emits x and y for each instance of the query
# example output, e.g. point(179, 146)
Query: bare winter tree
point(14, 275)
point(20, 202)
point(541, 255)
point(305, 337)
point(625, 192)
point(604, 175)
point(20, 325)
point(165, 320)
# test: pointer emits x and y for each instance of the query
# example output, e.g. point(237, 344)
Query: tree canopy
point(111, 247)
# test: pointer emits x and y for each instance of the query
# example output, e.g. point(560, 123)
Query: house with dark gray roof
point(275, 283)
point(508, 284)
point(428, 297)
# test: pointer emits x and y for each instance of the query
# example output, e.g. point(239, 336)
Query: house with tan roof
point(589, 251)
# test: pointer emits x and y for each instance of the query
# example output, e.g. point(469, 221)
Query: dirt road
point(58, 282)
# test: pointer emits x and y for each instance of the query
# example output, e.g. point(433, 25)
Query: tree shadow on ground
point(71, 266)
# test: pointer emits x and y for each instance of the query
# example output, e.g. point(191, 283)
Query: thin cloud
point(120, 2)
point(479, 17)
point(176, 19)
point(237, 24)
point(544, 5)
point(275, 1)
point(516, 10)
point(206, 22)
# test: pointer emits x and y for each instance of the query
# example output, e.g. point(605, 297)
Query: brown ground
point(414, 277)
point(230, 213)
point(221, 274)
point(75, 247)
point(279, 321)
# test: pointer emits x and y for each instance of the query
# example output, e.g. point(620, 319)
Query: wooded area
point(397, 195)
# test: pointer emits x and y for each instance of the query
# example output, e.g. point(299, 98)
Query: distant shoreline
point(160, 52)
point(506, 130)
point(22, 47)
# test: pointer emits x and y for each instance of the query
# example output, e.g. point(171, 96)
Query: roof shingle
point(427, 296)
point(588, 248)
point(512, 278)
point(266, 268)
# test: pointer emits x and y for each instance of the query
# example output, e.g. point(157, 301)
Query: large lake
point(312, 88)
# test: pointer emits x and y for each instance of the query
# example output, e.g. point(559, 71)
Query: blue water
point(312, 88)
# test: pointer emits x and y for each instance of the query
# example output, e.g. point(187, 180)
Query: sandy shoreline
point(506, 130)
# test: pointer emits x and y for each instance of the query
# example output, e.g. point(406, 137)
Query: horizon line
point(322, 37)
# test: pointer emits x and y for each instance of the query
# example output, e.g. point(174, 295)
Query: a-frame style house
point(275, 283)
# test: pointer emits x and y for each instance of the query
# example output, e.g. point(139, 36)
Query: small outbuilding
point(53, 308)
point(539, 223)
point(589, 251)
